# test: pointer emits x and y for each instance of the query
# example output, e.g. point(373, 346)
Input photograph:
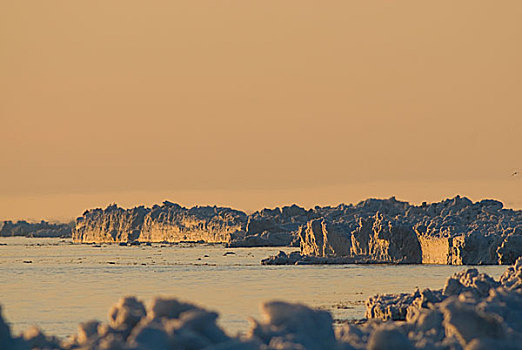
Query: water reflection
point(66, 284)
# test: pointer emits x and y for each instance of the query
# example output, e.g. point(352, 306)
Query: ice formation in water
point(454, 231)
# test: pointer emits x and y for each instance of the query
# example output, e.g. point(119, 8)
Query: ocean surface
point(55, 284)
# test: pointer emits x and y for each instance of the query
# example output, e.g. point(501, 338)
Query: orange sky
point(257, 103)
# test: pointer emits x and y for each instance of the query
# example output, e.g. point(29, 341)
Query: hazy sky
point(257, 103)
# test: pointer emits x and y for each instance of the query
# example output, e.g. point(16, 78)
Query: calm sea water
point(69, 283)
